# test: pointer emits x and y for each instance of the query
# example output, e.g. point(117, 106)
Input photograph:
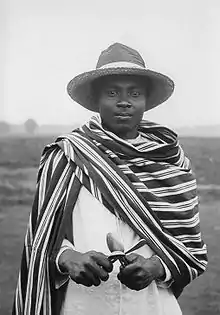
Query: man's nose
point(123, 104)
point(123, 100)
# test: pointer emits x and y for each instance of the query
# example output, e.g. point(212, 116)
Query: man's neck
point(130, 134)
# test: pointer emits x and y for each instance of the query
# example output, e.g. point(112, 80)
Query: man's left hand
point(140, 271)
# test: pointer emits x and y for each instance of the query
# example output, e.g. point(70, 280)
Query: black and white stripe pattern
point(150, 186)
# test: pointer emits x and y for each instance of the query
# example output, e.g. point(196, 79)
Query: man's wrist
point(64, 258)
point(160, 273)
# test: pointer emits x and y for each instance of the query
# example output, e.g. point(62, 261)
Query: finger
point(142, 281)
point(140, 285)
point(131, 283)
point(103, 261)
point(119, 276)
point(130, 279)
point(98, 271)
point(103, 274)
point(91, 275)
point(124, 279)
point(129, 270)
point(121, 279)
point(131, 257)
point(135, 286)
point(86, 282)
point(127, 282)
point(82, 279)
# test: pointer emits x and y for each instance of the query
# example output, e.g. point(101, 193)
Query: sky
point(45, 43)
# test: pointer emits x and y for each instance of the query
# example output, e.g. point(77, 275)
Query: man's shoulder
point(59, 139)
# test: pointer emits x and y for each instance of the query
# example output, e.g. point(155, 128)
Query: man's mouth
point(123, 116)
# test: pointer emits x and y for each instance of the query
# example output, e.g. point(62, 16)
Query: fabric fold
point(144, 184)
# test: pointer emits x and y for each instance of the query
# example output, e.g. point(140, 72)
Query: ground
point(19, 159)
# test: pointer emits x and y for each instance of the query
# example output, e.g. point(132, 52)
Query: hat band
point(121, 64)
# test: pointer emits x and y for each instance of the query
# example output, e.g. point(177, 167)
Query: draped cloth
point(149, 185)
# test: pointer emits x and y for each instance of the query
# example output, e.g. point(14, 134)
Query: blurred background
point(45, 43)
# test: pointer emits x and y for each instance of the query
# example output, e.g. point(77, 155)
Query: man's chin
point(121, 129)
point(125, 132)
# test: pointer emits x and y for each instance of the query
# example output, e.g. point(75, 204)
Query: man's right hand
point(85, 268)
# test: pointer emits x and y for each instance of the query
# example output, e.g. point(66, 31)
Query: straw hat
point(119, 59)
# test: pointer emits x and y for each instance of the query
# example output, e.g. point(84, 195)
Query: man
point(116, 183)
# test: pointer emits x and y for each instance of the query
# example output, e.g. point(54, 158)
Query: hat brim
point(79, 88)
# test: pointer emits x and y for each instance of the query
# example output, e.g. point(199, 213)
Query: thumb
point(131, 258)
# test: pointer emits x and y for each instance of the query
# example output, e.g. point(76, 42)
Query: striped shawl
point(149, 185)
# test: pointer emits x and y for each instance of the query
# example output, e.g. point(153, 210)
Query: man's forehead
point(123, 80)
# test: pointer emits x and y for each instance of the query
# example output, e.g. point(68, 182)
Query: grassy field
point(19, 159)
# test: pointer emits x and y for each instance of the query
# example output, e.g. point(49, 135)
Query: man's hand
point(85, 268)
point(140, 272)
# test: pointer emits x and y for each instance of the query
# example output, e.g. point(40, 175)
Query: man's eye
point(111, 93)
point(135, 93)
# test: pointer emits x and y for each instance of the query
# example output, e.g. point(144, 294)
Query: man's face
point(122, 102)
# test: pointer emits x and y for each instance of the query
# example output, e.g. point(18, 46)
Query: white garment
point(91, 223)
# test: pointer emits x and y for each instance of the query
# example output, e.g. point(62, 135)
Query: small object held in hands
point(117, 250)
point(113, 243)
point(118, 256)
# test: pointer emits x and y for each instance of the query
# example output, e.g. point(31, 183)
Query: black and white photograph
point(109, 157)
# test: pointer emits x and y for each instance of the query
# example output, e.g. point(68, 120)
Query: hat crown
point(119, 53)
